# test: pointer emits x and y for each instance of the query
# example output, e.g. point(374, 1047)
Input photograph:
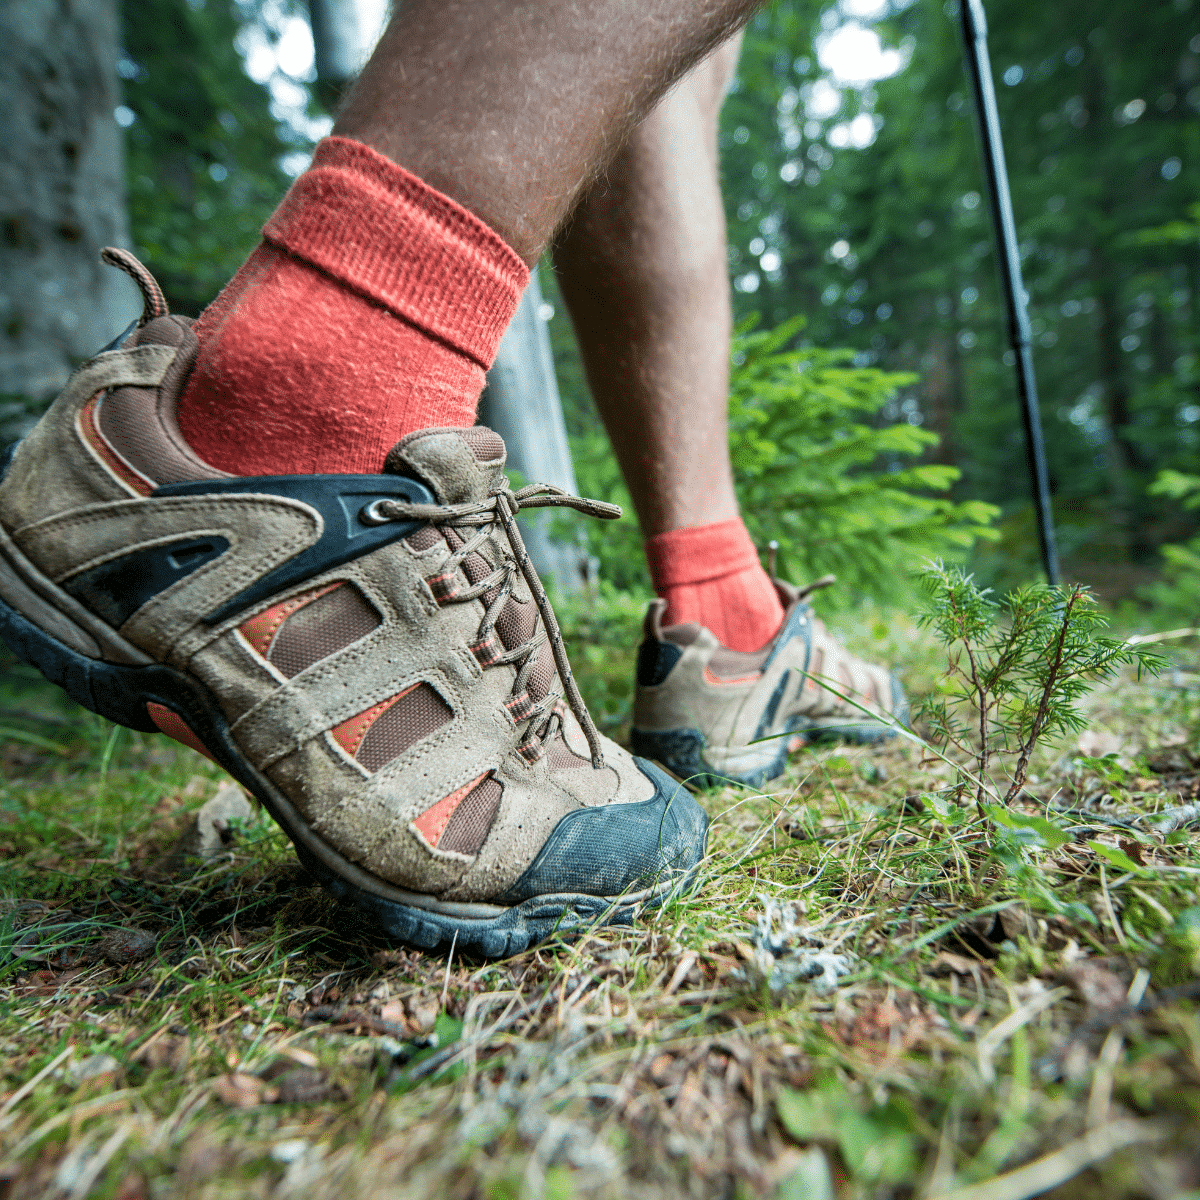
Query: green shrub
point(1176, 597)
point(812, 473)
point(1016, 671)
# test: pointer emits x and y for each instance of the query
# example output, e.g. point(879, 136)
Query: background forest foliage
point(856, 201)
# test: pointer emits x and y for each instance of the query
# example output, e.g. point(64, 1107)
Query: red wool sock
point(710, 574)
point(371, 310)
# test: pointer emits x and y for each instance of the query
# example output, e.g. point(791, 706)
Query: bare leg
point(644, 275)
point(509, 107)
point(512, 108)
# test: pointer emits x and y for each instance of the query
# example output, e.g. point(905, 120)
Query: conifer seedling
point(1016, 671)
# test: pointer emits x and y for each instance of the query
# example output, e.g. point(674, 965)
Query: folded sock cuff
point(699, 553)
point(381, 231)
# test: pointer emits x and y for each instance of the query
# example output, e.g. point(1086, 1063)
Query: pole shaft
point(979, 71)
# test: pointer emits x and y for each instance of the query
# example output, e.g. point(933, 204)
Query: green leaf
point(10, 733)
point(805, 1115)
point(811, 1179)
point(1116, 857)
point(447, 1030)
point(876, 1144)
point(1048, 834)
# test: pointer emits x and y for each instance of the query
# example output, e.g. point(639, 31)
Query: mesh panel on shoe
point(424, 537)
point(516, 622)
point(468, 826)
point(477, 568)
point(141, 427)
point(260, 630)
point(415, 715)
point(561, 757)
point(89, 426)
point(542, 675)
point(486, 445)
point(326, 624)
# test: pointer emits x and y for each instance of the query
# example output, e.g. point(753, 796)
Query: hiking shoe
point(712, 715)
point(371, 655)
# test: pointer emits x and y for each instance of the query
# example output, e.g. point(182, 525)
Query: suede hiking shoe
point(371, 655)
point(712, 715)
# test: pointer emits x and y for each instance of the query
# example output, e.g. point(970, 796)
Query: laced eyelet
point(500, 509)
point(370, 514)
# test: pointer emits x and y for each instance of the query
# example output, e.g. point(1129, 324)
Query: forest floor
point(865, 994)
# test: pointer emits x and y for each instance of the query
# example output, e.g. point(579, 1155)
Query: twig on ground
point(1054, 1169)
point(28, 1087)
point(449, 960)
point(999, 1034)
point(353, 1018)
point(1102, 1082)
point(1171, 819)
point(1112, 912)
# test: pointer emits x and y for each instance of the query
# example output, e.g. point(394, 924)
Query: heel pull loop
point(154, 303)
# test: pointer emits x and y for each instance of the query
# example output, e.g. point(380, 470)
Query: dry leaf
point(244, 1091)
point(1098, 986)
point(1133, 849)
point(959, 964)
point(1016, 922)
point(423, 1011)
point(303, 1085)
point(124, 946)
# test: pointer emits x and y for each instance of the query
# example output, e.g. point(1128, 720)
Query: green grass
point(260, 1040)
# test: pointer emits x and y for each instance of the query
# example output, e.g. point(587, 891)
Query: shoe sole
point(681, 752)
point(120, 691)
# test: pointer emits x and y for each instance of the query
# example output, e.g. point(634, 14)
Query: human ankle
point(372, 309)
point(710, 574)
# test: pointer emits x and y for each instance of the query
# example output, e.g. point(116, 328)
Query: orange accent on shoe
point(738, 681)
point(431, 824)
point(349, 734)
point(174, 726)
point(260, 630)
point(89, 430)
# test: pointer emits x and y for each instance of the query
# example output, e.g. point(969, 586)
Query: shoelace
point(502, 507)
point(816, 585)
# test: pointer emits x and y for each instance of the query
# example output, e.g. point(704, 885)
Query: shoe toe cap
point(616, 849)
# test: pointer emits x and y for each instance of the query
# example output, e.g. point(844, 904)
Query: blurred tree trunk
point(944, 395)
point(341, 45)
point(62, 191)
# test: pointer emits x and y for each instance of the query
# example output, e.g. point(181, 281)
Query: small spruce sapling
point(1017, 669)
point(818, 470)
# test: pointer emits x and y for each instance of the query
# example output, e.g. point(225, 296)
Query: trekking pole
point(979, 68)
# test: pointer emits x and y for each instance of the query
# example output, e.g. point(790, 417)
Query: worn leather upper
point(80, 500)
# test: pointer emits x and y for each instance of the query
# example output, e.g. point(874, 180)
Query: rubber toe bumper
point(599, 866)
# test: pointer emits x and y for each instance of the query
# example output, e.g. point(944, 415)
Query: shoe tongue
point(461, 466)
